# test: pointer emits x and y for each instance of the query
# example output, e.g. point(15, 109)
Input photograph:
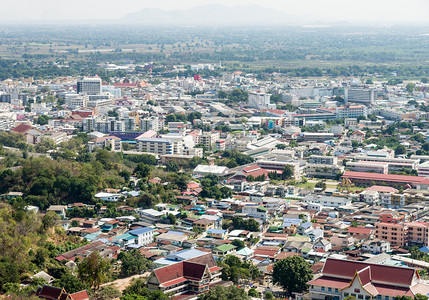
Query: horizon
point(382, 12)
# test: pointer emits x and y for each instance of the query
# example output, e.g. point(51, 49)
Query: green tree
point(253, 293)
point(239, 244)
point(70, 283)
point(142, 170)
point(132, 263)
point(172, 166)
point(93, 270)
point(288, 172)
point(147, 200)
point(321, 185)
point(49, 220)
point(400, 149)
point(269, 296)
point(224, 293)
point(8, 273)
point(410, 87)
point(292, 273)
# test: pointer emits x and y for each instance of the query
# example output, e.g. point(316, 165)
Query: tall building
point(89, 85)
point(359, 95)
point(260, 101)
point(147, 124)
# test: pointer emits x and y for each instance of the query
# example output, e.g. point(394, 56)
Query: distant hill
point(217, 15)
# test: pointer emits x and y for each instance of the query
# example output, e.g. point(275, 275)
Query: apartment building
point(417, 234)
point(395, 234)
point(155, 145)
point(209, 139)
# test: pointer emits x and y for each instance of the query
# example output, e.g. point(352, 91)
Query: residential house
point(217, 233)
point(224, 249)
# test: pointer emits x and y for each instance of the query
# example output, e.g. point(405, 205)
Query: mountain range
point(216, 15)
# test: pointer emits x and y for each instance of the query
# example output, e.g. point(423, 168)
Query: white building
point(155, 145)
point(260, 100)
point(89, 86)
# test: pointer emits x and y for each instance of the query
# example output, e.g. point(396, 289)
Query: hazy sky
point(363, 10)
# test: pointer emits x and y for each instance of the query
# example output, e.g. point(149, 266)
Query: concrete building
point(155, 145)
point(359, 95)
point(351, 111)
point(89, 86)
point(395, 234)
point(209, 139)
point(260, 100)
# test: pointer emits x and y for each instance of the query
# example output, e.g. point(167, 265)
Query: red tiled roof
point(174, 281)
point(214, 269)
point(379, 273)
point(337, 283)
point(385, 177)
point(22, 128)
point(82, 295)
point(382, 189)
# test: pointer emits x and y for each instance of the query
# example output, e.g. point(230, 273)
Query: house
point(217, 233)
point(323, 244)
point(144, 235)
point(360, 233)
point(341, 241)
point(175, 239)
point(315, 234)
point(376, 246)
point(224, 249)
point(304, 228)
point(255, 211)
point(59, 210)
point(343, 278)
point(107, 197)
point(204, 224)
point(192, 276)
point(358, 136)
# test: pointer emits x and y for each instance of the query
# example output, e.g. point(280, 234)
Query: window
point(360, 296)
point(336, 290)
point(323, 288)
point(329, 289)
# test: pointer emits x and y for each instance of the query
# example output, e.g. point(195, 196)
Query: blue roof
point(290, 222)
point(139, 231)
point(306, 225)
point(185, 254)
point(216, 231)
point(176, 232)
point(424, 249)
